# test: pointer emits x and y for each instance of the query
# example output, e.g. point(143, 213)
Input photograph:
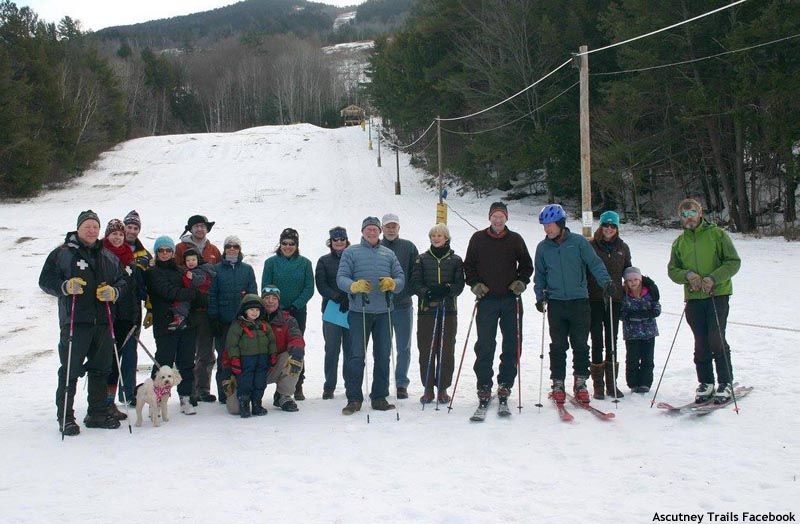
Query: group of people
point(205, 309)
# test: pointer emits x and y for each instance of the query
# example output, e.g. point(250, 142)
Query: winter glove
point(652, 288)
point(387, 284)
point(106, 293)
point(236, 366)
point(708, 285)
point(517, 287)
point(437, 291)
point(479, 290)
point(73, 286)
point(361, 286)
point(148, 320)
point(295, 363)
point(344, 304)
point(540, 306)
point(273, 359)
point(609, 290)
point(694, 280)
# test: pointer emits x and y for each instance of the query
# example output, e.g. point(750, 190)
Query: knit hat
point(270, 289)
point(371, 221)
point(251, 300)
point(232, 240)
point(290, 234)
point(631, 272)
point(114, 225)
point(132, 218)
point(390, 218)
point(192, 252)
point(610, 217)
point(498, 206)
point(88, 215)
point(198, 219)
point(337, 232)
point(164, 241)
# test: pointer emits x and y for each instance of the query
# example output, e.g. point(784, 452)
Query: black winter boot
point(258, 409)
point(100, 418)
point(244, 406)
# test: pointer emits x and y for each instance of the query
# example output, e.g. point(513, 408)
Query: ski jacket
point(708, 251)
point(406, 253)
point(287, 331)
point(165, 286)
point(497, 261)
point(93, 264)
point(293, 276)
point(430, 269)
point(616, 256)
point(249, 338)
point(325, 278)
point(129, 305)
point(363, 261)
point(233, 281)
point(638, 316)
point(561, 268)
point(207, 250)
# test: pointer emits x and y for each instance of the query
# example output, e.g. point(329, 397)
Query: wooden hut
point(352, 115)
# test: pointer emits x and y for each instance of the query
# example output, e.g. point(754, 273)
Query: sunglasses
point(339, 239)
point(612, 226)
point(164, 250)
point(689, 213)
point(232, 246)
point(271, 291)
point(288, 243)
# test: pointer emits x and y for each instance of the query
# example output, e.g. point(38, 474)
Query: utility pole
point(370, 133)
point(441, 207)
point(586, 157)
point(397, 159)
point(378, 132)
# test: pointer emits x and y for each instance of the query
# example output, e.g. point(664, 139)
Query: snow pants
point(601, 330)
point(639, 362)
point(569, 322)
point(177, 350)
point(91, 354)
point(491, 310)
point(431, 371)
point(710, 347)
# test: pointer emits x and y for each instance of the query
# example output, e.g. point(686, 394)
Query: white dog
point(155, 393)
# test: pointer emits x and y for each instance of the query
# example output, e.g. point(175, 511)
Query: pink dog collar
point(160, 391)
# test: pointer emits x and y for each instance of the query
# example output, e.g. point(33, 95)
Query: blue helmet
point(552, 213)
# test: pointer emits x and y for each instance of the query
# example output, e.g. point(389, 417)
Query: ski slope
point(317, 466)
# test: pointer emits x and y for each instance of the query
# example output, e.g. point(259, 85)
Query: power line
point(398, 146)
point(698, 17)
point(507, 99)
point(696, 59)
point(513, 121)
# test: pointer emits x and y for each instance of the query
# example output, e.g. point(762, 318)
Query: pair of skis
point(566, 416)
point(480, 413)
point(707, 407)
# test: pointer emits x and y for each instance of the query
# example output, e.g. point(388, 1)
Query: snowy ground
point(431, 466)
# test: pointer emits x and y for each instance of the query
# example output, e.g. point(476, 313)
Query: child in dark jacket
point(250, 346)
point(199, 275)
point(640, 307)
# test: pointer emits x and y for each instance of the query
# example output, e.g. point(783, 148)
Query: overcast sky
point(97, 14)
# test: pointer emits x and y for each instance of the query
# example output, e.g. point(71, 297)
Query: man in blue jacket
point(369, 272)
point(560, 265)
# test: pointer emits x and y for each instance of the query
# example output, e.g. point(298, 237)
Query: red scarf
point(123, 252)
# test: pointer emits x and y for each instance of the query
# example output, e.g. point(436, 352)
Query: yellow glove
point(517, 287)
point(361, 286)
point(387, 284)
point(73, 286)
point(148, 320)
point(106, 293)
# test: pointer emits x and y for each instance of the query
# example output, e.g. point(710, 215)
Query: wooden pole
point(439, 154)
point(586, 158)
point(397, 160)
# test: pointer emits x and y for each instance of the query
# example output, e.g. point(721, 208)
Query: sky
point(316, 466)
point(98, 14)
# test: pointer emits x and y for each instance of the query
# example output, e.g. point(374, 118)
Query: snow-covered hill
point(317, 466)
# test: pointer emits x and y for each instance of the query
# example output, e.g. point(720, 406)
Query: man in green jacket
point(704, 261)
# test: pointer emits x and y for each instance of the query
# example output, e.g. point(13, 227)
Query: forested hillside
point(708, 109)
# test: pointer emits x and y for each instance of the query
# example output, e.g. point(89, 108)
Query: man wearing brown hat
point(194, 235)
point(85, 278)
point(498, 268)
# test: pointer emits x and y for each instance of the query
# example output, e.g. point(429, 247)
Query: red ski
point(602, 415)
point(563, 414)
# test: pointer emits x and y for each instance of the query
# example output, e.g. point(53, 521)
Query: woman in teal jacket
point(292, 274)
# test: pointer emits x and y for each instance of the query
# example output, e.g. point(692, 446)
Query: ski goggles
point(689, 213)
point(271, 290)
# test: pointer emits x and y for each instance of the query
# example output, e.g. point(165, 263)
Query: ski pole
point(655, 394)
point(439, 359)
point(519, 352)
point(613, 349)
point(69, 361)
point(124, 342)
point(724, 352)
point(541, 355)
point(119, 365)
point(393, 370)
point(430, 355)
point(155, 362)
point(466, 340)
point(364, 301)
